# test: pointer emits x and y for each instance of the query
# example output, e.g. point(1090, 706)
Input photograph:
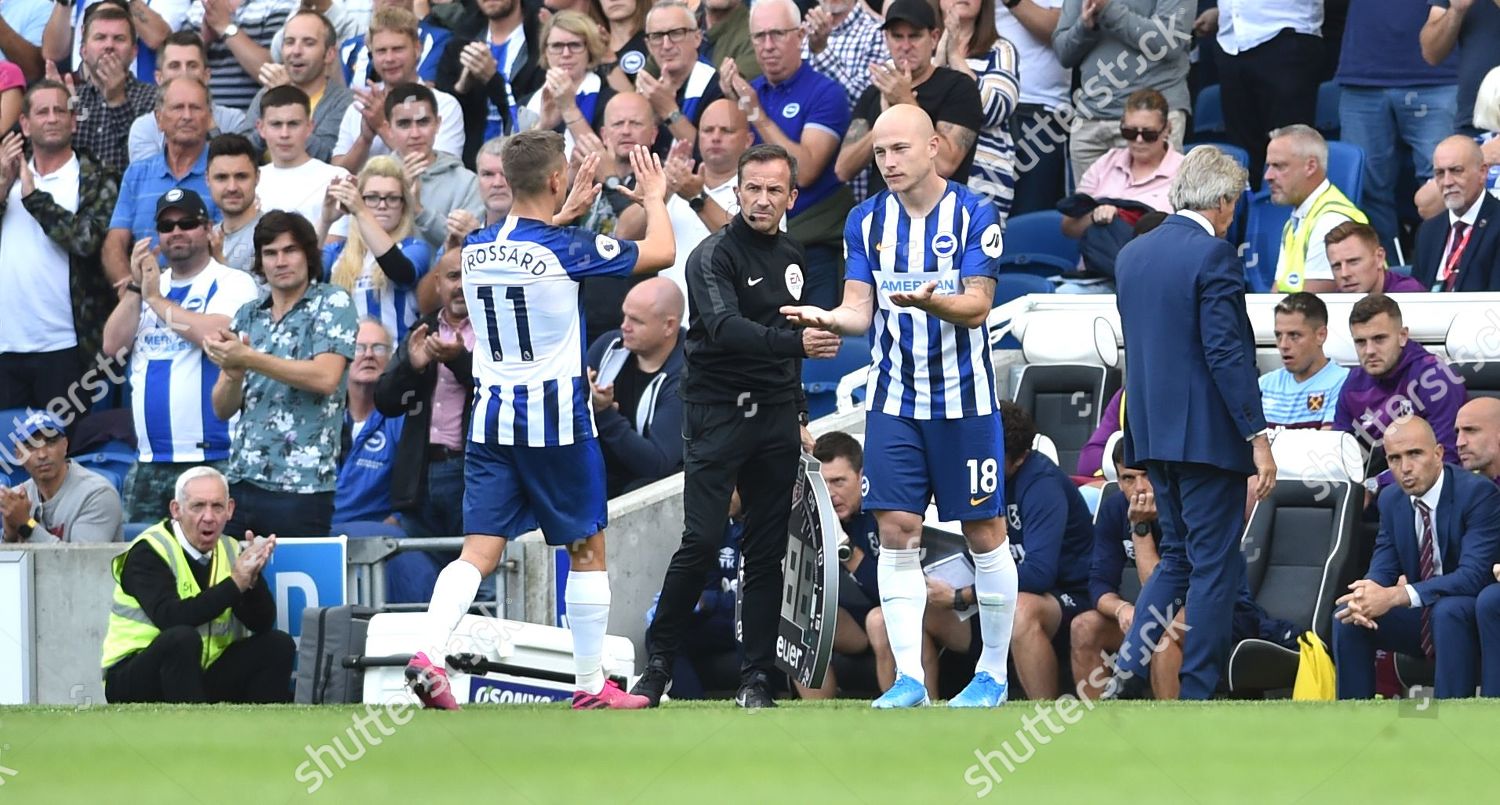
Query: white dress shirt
point(1430, 498)
point(1245, 24)
point(1469, 216)
point(1200, 220)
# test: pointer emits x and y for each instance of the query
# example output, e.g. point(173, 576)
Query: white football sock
point(903, 601)
point(996, 587)
point(451, 598)
point(587, 598)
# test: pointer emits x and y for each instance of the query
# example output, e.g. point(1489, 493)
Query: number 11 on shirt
point(517, 297)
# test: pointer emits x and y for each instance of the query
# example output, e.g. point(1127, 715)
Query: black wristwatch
point(803, 419)
point(958, 599)
point(1141, 529)
point(1012, 3)
point(697, 202)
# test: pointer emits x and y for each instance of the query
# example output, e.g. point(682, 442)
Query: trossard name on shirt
point(491, 255)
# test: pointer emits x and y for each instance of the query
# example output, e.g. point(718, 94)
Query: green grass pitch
point(1271, 752)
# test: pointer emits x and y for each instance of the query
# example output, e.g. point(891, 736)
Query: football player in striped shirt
point(532, 459)
point(921, 264)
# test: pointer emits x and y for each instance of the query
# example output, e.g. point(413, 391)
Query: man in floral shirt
point(283, 364)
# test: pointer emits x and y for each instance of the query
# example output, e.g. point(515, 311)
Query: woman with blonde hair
point(571, 100)
point(382, 260)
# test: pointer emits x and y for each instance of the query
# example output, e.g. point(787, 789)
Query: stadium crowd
point(237, 207)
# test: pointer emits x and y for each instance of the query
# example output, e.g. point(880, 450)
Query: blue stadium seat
point(1035, 243)
point(820, 379)
point(1239, 154)
point(1208, 112)
point(1263, 227)
point(367, 528)
point(1346, 169)
point(113, 461)
point(1011, 286)
point(1326, 118)
point(133, 530)
point(10, 420)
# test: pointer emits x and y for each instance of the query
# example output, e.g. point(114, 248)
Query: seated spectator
point(182, 53)
point(383, 259)
point(573, 99)
point(1297, 175)
point(354, 52)
point(1357, 261)
point(161, 321)
point(685, 85)
point(183, 113)
point(54, 208)
point(1304, 391)
point(304, 64)
point(12, 88)
point(949, 97)
point(1439, 536)
point(843, 40)
point(1478, 439)
point(637, 405)
point(176, 638)
point(1141, 171)
point(1050, 534)
point(1090, 458)
point(430, 385)
point(1396, 378)
point(295, 181)
point(107, 98)
point(971, 46)
point(239, 43)
point(1456, 251)
point(393, 38)
point(445, 184)
point(370, 438)
point(281, 369)
point(807, 113)
point(843, 462)
point(62, 501)
point(233, 178)
point(491, 65)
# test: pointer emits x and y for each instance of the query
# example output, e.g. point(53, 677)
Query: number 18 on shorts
point(957, 463)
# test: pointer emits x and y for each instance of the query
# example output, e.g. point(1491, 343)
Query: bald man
point(1457, 250)
point(635, 372)
point(925, 251)
point(1478, 425)
point(1439, 534)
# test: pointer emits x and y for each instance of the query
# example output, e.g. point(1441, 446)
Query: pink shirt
point(1109, 177)
point(448, 397)
point(11, 77)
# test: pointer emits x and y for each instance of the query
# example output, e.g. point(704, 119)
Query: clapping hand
point(650, 179)
point(252, 559)
point(584, 191)
point(15, 507)
point(228, 350)
point(460, 224)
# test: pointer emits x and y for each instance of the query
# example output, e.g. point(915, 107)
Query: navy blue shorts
point(959, 463)
point(510, 490)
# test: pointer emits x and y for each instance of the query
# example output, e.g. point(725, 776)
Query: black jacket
point(635, 458)
point(404, 390)
point(147, 579)
point(1479, 268)
point(472, 26)
point(740, 348)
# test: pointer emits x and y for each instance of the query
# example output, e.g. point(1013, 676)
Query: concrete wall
point(71, 590)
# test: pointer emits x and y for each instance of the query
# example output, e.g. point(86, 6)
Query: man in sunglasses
point(160, 321)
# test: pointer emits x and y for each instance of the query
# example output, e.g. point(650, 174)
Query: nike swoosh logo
point(880, 247)
point(980, 501)
point(754, 282)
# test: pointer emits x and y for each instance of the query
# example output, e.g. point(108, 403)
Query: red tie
point(1424, 568)
point(1455, 254)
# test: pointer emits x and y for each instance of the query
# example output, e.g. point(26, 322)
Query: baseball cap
point(39, 422)
point(918, 13)
point(181, 198)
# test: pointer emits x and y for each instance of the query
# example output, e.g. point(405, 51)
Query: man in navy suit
point(1458, 250)
point(1439, 535)
point(1193, 417)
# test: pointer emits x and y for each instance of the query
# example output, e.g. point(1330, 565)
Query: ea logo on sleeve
point(794, 280)
point(944, 244)
point(607, 246)
point(791, 110)
point(991, 242)
point(632, 61)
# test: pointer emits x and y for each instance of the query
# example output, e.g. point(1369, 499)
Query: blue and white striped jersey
point(172, 381)
point(521, 281)
point(924, 367)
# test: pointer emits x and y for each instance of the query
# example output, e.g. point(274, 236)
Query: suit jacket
point(402, 390)
point(1479, 268)
point(1467, 531)
point(1190, 379)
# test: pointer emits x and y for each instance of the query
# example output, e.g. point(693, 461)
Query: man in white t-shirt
point(161, 320)
point(294, 181)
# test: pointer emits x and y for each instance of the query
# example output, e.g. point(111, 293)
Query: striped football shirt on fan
point(521, 282)
point(924, 367)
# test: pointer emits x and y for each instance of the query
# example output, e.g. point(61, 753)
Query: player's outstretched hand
point(818, 343)
point(808, 316)
point(915, 298)
point(581, 196)
point(650, 179)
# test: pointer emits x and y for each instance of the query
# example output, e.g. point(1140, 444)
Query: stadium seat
point(133, 530)
point(820, 379)
point(1066, 400)
point(1263, 226)
point(1326, 117)
point(1235, 152)
point(1297, 548)
point(1035, 243)
point(1208, 112)
point(113, 460)
point(1471, 345)
point(1012, 286)
point(1240, 155)
point(1346, 169)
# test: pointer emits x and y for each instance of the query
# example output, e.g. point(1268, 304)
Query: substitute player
point(532, 459)
point(921, 263)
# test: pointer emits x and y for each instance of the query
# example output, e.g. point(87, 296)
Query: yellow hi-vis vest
point(131, 631)
point(1290, 275)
